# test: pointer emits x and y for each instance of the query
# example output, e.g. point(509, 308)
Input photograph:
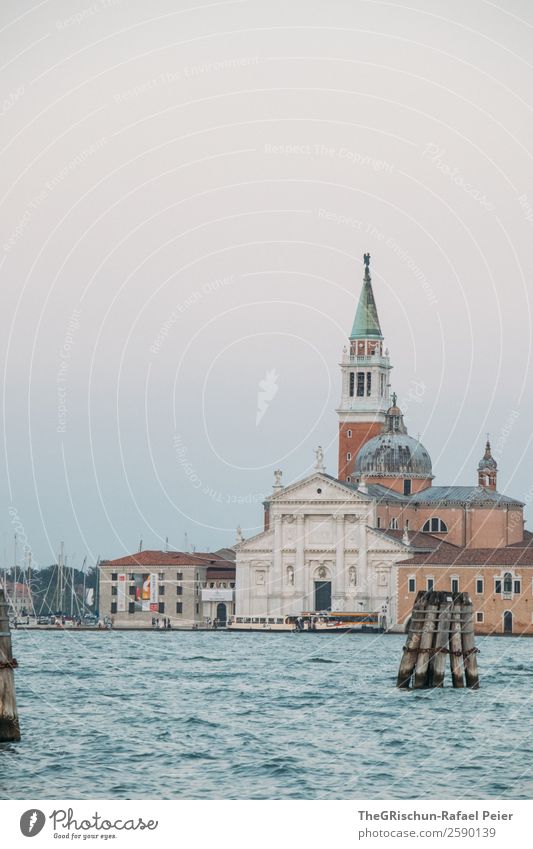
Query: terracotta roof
point(417, 539)
point(167, 558)
point(511, 555)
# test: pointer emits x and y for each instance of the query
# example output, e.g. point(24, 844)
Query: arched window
point(349, 434)
point(507, 583)
point(435, 526)
point(393, 525)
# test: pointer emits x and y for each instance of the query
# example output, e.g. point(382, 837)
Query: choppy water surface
point(219, 715)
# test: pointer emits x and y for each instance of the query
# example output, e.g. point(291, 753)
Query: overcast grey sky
point(187, 192)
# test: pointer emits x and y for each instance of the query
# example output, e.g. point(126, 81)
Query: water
point(219, 715)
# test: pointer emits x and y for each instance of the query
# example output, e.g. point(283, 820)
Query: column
point(275, 584)
point(338, 578)
point(300, 581)
point(363, 578)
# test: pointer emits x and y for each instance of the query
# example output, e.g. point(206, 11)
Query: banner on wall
point(142, 591)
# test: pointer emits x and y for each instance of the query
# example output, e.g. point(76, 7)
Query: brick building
point(499, 581)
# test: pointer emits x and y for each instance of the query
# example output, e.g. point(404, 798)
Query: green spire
point(366, 323)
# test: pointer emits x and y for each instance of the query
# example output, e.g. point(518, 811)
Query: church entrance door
point(322, 595)
point(507, 622)
point(221, 614)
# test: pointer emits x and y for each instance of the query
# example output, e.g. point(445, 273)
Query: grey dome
point(393, 454)
point(487, 462)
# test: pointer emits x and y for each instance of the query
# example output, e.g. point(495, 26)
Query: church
point(371, 537)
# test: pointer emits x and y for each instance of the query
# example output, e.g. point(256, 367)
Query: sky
point(187, 191)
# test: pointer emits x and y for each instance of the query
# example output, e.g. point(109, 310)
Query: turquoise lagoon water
point(230, 716)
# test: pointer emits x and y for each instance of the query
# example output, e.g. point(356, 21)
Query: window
point(179, 576)
point(161, 607)
point(161, 576)
point(407, 487)
point(179, 607)
point(430, 584)
point(114, 576)
point(393, 525)
point(480, 616)
point(517, 587)
point(411, 584)
point(113, 607)
point(382, 385)
point(360, 384)
point(497, 586)
point(131, 607)
point(197, 607)
point(179, 590)
point(162, 589)
point(352, 383)
point(349, 434)
point(348, 456)
point(369, 383)
point(507, 583)
point(379, 522)
point(232, 584)
point(114, 591)
point(348, 479)
point(480, 586)
point(132, 577)
point(435, 526)
point(132, 590)
point(455, 585)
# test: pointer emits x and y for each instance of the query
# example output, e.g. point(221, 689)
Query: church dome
point(393, 453)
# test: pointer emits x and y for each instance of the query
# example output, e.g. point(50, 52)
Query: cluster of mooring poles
point(441, 626)
point(9, 723)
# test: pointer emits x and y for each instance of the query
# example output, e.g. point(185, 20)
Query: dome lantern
point(487, 469)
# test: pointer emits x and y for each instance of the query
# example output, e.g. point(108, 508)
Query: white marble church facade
point(321, 550)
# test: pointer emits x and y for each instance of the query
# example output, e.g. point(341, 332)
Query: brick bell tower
point(365, 381)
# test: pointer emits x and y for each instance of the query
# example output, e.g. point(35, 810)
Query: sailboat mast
point(60, 576)
point(72, 588)
point(14, 596)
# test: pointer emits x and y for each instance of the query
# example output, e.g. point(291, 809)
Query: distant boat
point(310, 622)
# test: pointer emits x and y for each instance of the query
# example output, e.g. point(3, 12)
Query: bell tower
point(365, 371)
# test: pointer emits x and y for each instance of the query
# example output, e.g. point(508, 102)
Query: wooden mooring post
point(441, 624)
point(9, 723)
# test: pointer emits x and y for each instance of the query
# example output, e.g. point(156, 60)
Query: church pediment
point(379, 541)
point(263, 540)
point(319, 488)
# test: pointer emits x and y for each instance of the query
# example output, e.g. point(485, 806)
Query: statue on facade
point(319, 453)
point(240, 537)
point(352, 576)
point(290, 576)
point(366, 258)
point(277, 477)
